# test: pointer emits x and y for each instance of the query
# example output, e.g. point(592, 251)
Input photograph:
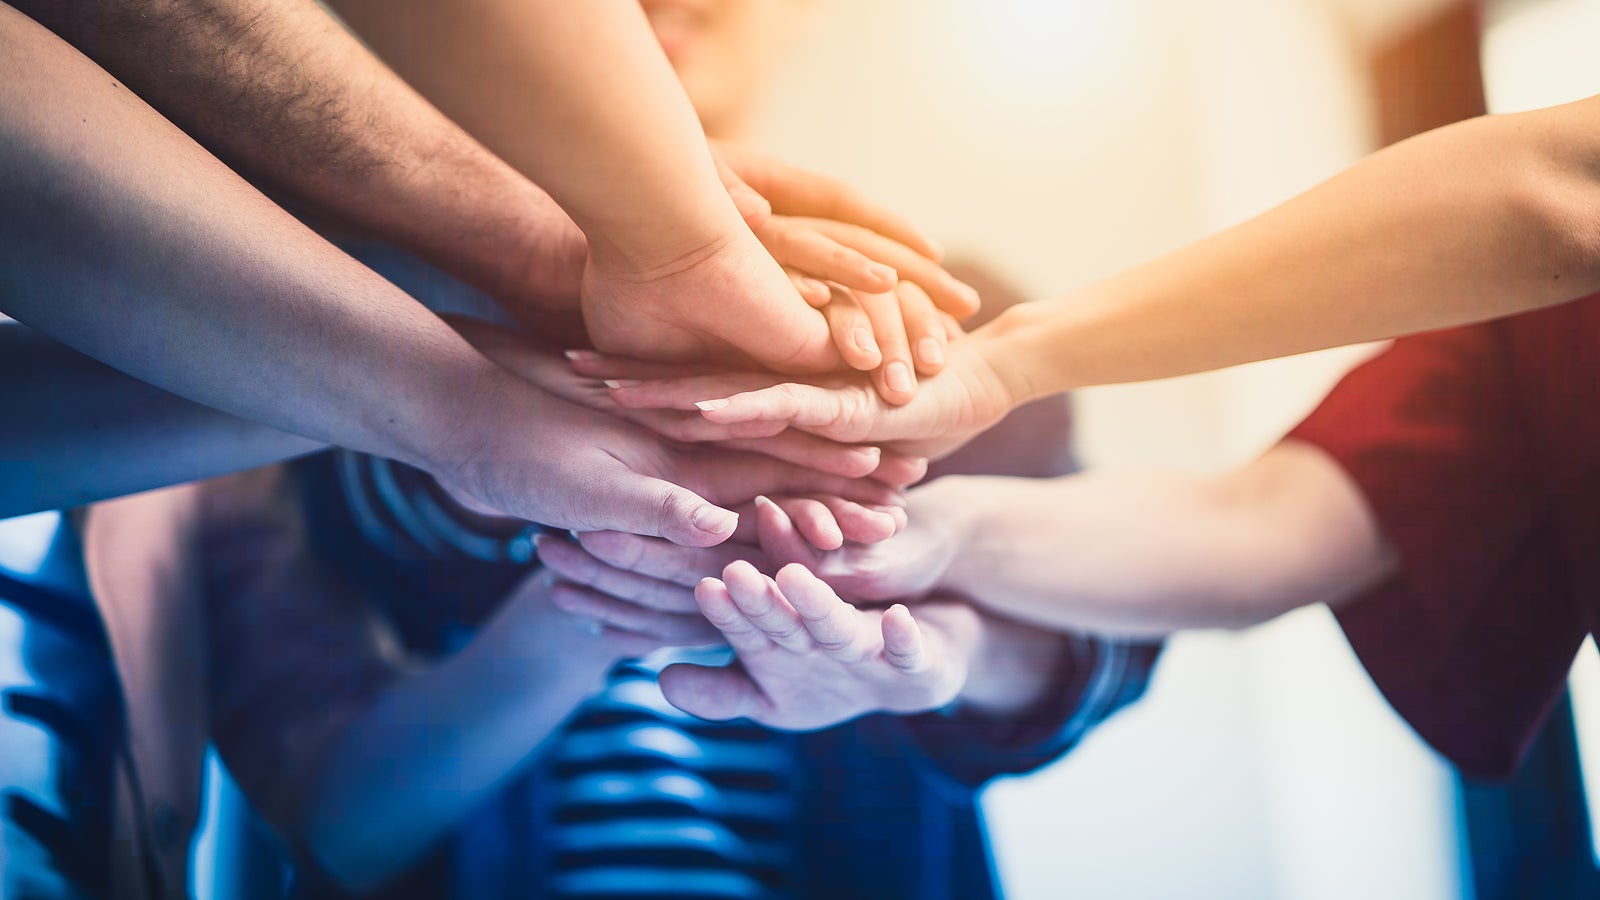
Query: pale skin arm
point(1131, 554)
point(1481, 219)
point(580, 98)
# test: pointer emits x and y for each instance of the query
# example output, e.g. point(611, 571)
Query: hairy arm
point(282, 92)
point(122, 238)
point(1140, 555)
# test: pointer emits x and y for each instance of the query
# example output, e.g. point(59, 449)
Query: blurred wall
point(1059, 142)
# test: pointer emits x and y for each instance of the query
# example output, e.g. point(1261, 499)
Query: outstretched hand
point(530, 454)
point(951, 408)
point(808, 660)
point(811, 242)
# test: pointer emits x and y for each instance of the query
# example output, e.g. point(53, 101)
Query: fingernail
point(935, 246)
point(898, 377)
point(971, 293)
point(714, 520)
point(883, 273)
point(618, 383)
point(865, 340)
point(817, 286)
point(931, 351)
point(582, 355)
point(764, 500)
point(711, 405)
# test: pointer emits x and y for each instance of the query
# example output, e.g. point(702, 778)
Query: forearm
point(449, 735)
point(579, 97)
point(92, 432)
point(1481, 219)
point(123, 239)
point(280, 90)
point(1141, 555)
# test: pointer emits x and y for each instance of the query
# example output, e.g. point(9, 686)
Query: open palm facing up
point(808, 660)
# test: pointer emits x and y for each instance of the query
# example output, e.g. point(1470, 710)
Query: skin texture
point(1480, 219)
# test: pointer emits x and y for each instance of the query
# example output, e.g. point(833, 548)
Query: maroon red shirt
point(1478, 450)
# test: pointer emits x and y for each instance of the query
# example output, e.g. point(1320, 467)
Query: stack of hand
point(864, 308)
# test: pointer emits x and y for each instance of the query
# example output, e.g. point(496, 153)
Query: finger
point(896, 378)
point(838, 413)
point(800, 192)
point(685, 393)
point(852, 331)
point(780, 540)
point(690, 428)
point(813, 452)
point(899, 469)
point(924, 329)
point(947, 292)
point(834, 625)
point(814, 521)
point(903, 647)
point(629, 501)
point(733, 478)
point(715, 693)
point(656, 558)
point(753, 208)
point(604, 365)
point(857, 523)
point(815, 291)
point(764, 607)
point(797, 244)
point(717, 605)
point(952, 327)
point(671, 628)
point(577, 565)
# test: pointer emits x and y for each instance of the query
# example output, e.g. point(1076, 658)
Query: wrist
point(1017, 347)
point(668, 237)
point(1013, 666)
point(960, 504)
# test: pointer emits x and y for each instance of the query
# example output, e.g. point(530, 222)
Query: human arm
point(1480, 219)
point(453, 732)
point(92, 432)
point(281, 92)
point(566, 93)
point(293, 615)
point(1125, 553)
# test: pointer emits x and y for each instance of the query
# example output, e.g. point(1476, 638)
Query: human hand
point(517, 354)
point(951, 408)
point(532, 455)
point(808, 660)
point(822, 230)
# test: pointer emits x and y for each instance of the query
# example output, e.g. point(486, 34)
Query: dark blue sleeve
point(1096, 678)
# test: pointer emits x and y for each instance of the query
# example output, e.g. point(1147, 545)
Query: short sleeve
point(1472, 638)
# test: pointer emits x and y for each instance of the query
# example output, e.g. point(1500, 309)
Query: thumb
point(716, 693)
point(753, 207)
point(643, 505)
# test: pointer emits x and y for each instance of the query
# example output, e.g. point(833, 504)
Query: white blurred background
point(1059, 141)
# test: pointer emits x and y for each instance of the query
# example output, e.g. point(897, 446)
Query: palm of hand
point(808, 660)
point(816, 687)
